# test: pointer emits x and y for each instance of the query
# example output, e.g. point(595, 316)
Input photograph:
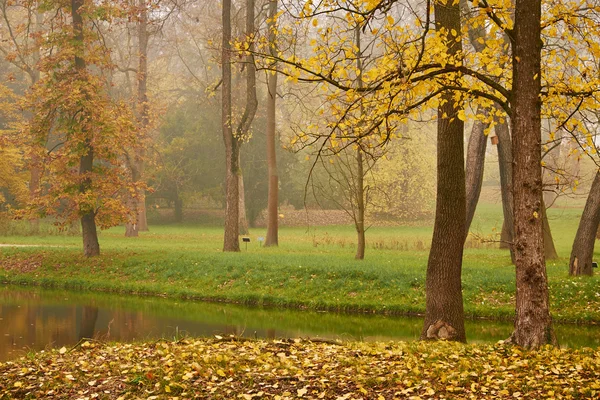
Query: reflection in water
point(35, 319)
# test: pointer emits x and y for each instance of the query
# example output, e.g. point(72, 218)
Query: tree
point(243, 128)
point(272, 238)
point(136, 160)
point(231, 240)
point(533, 323)
point(22, 26)
point(583, 245)
point(444, 315)
point(85, 130)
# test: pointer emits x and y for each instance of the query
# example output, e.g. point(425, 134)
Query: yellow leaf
point(220, 372)
point(63, 350)
point(168, 389)
point(302, 392)
point(315, 22)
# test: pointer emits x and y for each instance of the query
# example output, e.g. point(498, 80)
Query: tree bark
point(35, 174)
point(272, 238)
point(243, 224)
point(583, 245)
point(360, 203)
point(231, 234)
point(91, 247)
point(138, 202)
point(533, 323)
point(505, 166)
point(249, 110)
point(178, 205)
point(474, 167)
point(549, 248)
point(444, 315)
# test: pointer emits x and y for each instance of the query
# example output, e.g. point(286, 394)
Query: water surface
point(33, 319)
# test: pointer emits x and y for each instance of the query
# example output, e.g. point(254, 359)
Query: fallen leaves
point(281, 369)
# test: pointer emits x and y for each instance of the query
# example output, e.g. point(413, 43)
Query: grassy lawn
point(312, 268)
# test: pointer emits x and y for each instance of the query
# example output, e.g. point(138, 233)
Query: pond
point(33, 319)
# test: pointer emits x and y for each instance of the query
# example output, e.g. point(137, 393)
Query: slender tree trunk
point(91, 247)
point(178, 205)
point(360, 203)
point(444, 315)
point(474, 167)
point(583, 245)
point(243, 224)
point(138, 202)
point(35, 174)
point(533, 323)
point(272, 238)
point(231, 239)
point(549, 248)
point(359, 215)
point(505, 166)
point(249, 110)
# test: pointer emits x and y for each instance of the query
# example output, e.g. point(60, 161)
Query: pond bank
point(285, 369)
point(34, 319)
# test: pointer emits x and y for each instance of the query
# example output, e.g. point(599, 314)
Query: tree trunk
point(243, 224)
point(178, 205)
point(533, 323)
point(272, 238)
point(91, 247)
point(506, 173)
point(34, 187)
point(249, 110)
point(231, 236)
point(474, 167)
point(35, 174)
point(138, 166)
point(444, 315)
point(360, 203)
point(583, 245)
point(549, 248)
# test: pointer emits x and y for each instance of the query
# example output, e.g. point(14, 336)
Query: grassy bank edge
point(259, 300)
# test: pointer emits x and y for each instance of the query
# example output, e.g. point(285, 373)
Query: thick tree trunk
point(549, 248)
point(533, 323)
point(474, 167)
point(272, 238)
point(444, 315)
point(137, 165)
point(585, 239)
point(231, 236)
point(91, 247)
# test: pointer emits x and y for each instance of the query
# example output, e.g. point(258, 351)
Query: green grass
point(312, 268)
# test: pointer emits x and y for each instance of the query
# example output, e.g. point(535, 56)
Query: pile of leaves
point(290, 369)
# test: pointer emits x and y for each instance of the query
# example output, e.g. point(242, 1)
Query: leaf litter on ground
point(229, 368)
